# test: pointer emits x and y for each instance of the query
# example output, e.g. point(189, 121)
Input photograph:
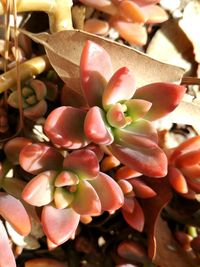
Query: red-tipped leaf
point(121, 87)
point(156, 94)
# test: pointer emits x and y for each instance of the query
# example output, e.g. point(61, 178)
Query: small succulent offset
point(33, 99)
point(118, 115)
point(70, 189)
point(184, 168)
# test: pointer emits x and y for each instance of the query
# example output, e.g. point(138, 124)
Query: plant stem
point(27, 70)
point(59, 11)
point(190, 81)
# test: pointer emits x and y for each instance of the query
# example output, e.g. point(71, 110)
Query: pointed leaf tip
point(156, 94)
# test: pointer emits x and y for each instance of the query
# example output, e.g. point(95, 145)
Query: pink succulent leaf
point(185, 147)
point(120, 87)
point(40, 190)
point(12, 210)
point(139, 153)
point(137, 108)
point(86, 200)
point(57, 127)
point(44, 262)
point(177, 180)
point(192, 172)
point(83, 163)
point(132, 11)
point(194, 185)
point(38, 157)
point(39, 88)
point(142, 128)
point(136, 218)
point(98, 151)
point(95, 71)
point(36, 111)
point(109, 192)
point(134, 33)
point(62, 198)
point(66, 178)
point(13, 147)
point(156, 94)
point(125, 186)
point(59, 224)
point(155, 14)
point(141, 189)
point(129, 204)
point(6, 255)
point(96, 128)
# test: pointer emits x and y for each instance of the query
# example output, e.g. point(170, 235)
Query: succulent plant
point(69, 188)
point(33, 99)
point(184, 170)
point(127, 17)
point(118, 115)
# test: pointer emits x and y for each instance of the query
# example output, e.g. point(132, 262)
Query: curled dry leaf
point(169, 252)
point(176, 47)
point(190, 25)
point(65, 59)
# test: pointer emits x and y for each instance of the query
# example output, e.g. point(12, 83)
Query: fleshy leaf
point(132, 11)
point(188, 159)
point(12, 210)
point(39, 191)
point(129, 204)
point(185, 147)
point(35, 158)
point(142, 128)
point(6, 255)
point(95, 71)
point(141, 189)
point(95, 127)
point(13, 147)
point(137, 108)
point(86, 200)
point(156, 94)
point(36, 111)
point(135, 218)
point(177, 180)
point(125, 172)
point(109, 192)
point(155, 14)
point(83, 163)
point(62, 198)
point(120, 87)
point(57, 127)
point(140, 153)
point(101, 5)
point(134, 33)
point(59, 224)
point(66, 178)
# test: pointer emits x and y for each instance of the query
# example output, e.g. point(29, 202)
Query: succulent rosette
point(184, 168)
point(118, 116)
point(33, 99)
point(69, 188)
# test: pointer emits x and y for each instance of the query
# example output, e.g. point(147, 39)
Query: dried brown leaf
point(152, 209)
point(64, 50)
point(190, 25)
point(169, 253)
point(176, 47)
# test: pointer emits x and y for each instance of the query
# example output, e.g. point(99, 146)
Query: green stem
point(27, 70)
point(59, 11)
